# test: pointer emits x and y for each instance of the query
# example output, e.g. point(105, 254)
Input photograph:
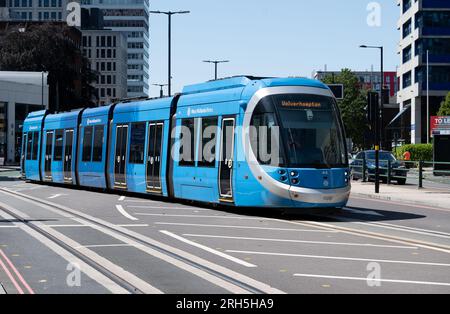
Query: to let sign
point(440, 125)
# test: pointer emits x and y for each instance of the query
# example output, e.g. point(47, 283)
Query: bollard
point(420, 174)
point(364, 179)
point(389, 172)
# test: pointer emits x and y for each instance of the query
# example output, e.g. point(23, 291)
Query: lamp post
point(377, 121)
point(428, 96)
point(216, 62)
point(169, 15)
point(161, 93)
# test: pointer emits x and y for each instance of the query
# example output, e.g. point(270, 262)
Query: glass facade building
point(129, 17)
point(424, 27)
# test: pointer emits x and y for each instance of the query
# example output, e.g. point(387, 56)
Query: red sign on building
point(440, 125)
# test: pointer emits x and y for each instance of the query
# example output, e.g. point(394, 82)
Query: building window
point(407, 79)
point(407, 28)
point(407, 53)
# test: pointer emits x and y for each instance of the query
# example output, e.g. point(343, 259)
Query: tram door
point(68, 156)
point(48, 155)
point(120, 162)
point(23, 154)
point(226, 160)
point(154, 151)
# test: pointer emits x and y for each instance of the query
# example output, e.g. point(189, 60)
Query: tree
point(445, 107)
point(352, 106)
point(48, 47)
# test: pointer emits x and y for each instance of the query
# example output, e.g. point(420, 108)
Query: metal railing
point(420, 170)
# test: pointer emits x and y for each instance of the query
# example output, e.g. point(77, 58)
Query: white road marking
point(105, 245)
point(363, 212)
point(55, 196)
point(168, 207)
point(375, 280)
point(203, 216)
point(11, 226)
point(243, 227)
point(430, 233)
point(133, 225)
point(69, 257)
point(124, 213)
point(215, 279)
point(122, 198)
point(301, 241)
point(207, 249)
point(341, 258)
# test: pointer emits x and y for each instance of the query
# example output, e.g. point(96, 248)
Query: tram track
point(232, 281)
point(376, 235)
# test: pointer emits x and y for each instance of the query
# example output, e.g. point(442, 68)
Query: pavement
point(436, 195)
point(62, 240)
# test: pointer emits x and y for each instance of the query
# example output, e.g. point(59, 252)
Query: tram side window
point(207, 145)
point(57, 153)
point(137, 143)
point(35, 145)
point(188, 139)
point(29, 145)
point(97, 152)
point(87, 144)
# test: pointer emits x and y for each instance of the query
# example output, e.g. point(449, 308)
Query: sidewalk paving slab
point(406, 194)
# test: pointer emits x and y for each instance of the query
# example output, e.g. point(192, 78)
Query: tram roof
point(245, 81)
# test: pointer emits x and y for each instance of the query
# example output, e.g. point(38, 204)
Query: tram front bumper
point(320, 197)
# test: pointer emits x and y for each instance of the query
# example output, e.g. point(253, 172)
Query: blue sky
point(268, 38)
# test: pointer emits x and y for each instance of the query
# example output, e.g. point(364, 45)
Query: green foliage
point(418, 152)
point(48, 47)
point(352, 106)
point(445, 107)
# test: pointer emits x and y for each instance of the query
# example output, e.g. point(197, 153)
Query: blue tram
point(204, 144)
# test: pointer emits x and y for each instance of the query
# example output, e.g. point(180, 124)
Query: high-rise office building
point(107, 53)
point(424, 25)
point(131, 18)
point(37, 10)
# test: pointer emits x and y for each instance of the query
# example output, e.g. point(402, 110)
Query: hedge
point(418, 152)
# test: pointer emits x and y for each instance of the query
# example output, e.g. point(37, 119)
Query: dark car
point(398, 170)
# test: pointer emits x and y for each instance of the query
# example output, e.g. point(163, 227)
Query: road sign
point(338, 90)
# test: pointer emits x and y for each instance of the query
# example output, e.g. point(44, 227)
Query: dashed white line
point(340, 258)
point(124, 213)
point(55, 196)
point(168, 207)
point(375, 280)
point(122, 198)
point(300, 241)
point(208, 249)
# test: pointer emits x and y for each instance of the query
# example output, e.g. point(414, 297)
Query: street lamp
point(161, 93)
point(216, 62)
point(377, 121)
point(169, 15)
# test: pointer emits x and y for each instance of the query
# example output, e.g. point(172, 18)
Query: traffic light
point(372, 108)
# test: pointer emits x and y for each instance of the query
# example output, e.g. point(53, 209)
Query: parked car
point(398, 169)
